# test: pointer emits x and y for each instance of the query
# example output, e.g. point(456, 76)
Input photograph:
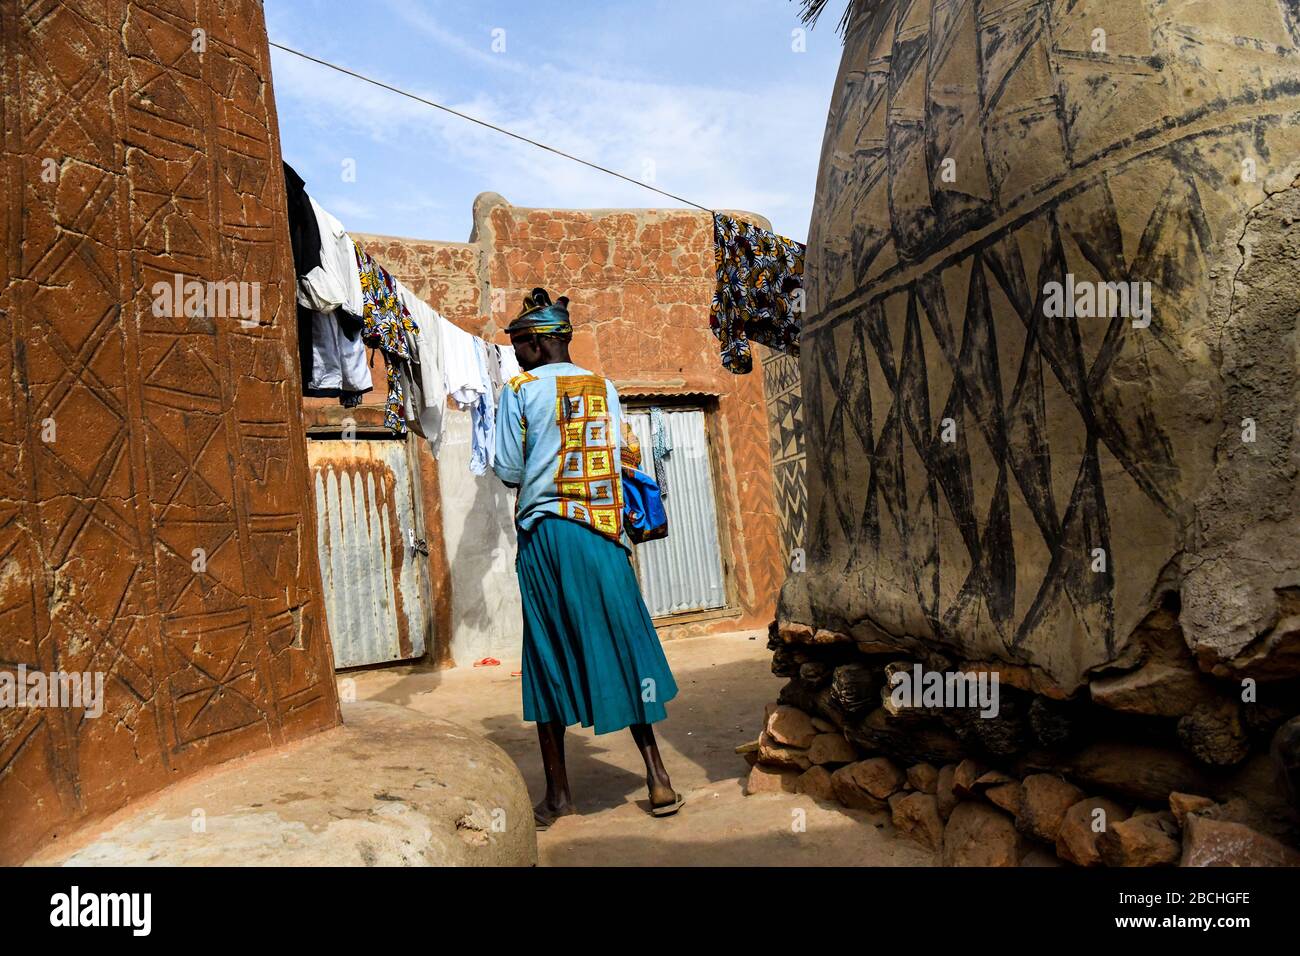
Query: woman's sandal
point(667, 809)
point(543, 818)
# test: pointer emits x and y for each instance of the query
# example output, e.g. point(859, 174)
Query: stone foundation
point(1160, 764)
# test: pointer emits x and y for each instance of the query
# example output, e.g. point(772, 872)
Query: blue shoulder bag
point(643, 507)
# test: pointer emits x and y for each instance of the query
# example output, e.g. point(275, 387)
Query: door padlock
point(417, 544)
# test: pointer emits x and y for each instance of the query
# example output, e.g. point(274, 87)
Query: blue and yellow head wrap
point(540, 316)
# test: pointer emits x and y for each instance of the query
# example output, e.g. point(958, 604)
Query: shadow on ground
point(724, 683)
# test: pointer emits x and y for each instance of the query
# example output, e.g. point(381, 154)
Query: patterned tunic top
point(557, 442)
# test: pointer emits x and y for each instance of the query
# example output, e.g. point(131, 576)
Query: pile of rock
point(974, 815)
point(1156, 765)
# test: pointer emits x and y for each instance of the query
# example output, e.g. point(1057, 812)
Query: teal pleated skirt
point(590, 654)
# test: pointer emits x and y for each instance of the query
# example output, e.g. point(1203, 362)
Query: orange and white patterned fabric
point(558, 442)
point(587, 473)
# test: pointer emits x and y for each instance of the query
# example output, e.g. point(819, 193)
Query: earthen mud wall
point(154, 523)
point(1049, 385)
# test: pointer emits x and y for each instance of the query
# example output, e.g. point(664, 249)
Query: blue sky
point(706, 97)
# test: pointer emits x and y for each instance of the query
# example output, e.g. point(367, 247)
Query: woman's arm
point(629, 448)
point(630, 452)
point(509, 464)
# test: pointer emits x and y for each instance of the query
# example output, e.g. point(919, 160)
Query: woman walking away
point(590, 653)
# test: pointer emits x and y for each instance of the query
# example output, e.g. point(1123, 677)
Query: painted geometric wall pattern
point(926, 299)
point(785, 429)
point(172, 434)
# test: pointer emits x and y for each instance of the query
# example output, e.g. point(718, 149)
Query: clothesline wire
point(475, 119)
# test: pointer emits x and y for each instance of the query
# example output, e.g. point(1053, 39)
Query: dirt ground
point(724, 682)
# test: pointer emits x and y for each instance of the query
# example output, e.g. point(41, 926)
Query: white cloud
point(715, 146)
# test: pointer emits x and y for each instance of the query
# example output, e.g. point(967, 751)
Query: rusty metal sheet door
point(369, 540)
point(682, 572)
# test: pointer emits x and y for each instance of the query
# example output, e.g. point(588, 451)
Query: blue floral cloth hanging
point(759, 294)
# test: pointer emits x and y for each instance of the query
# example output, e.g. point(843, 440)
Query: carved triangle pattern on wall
point(896, 424)
point(917, 280)
point(789, 461)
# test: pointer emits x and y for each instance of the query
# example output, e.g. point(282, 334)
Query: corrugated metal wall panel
point(372, 576)
point(682, 572)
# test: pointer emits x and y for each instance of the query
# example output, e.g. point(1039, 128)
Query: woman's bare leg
point(559, 801)
point(656, 777)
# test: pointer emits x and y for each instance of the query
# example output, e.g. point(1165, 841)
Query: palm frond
point(853, 9)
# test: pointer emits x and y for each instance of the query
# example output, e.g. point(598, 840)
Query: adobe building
point(640, 283)
point(156, 529)
point(1097, 504)
point(136, 447)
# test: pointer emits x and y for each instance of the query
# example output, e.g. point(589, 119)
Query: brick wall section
point(171, 433)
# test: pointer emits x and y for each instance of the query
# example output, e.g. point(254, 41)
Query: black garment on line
point(304, 233)
point(304, 238)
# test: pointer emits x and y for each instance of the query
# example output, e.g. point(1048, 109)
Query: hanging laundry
point(759, 291)
point(336, 281)
point(348, 301)
point(492, 354)
point(465, 378)
point(334, 360)
point(332, 290)
point(509, 365)
point(483, 431)
point(501, 366)
point(427, 393)
point(387, 325)
point(304, 233)
point(331, 351)
point(661, 447)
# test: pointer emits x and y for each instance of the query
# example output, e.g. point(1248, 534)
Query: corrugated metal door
point(682, 572)
point(369, 543)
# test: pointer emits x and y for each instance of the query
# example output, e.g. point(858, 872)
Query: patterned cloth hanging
point(386, 323)
point(759, 294)
point(663, 446)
